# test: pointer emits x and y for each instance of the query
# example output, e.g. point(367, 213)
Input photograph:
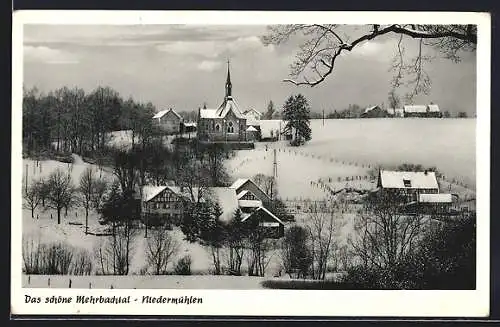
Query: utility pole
point(26, 180)
point(323, 117)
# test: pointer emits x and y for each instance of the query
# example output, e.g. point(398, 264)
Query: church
point(227, 123)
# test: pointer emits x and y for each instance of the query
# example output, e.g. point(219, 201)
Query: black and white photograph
point(226, 155)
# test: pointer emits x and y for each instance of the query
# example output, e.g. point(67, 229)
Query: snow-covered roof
point(435, 198)
point(164, 112)
point(415, 108)
point(408, 179)
point(370, 108)
point(229, 104)
point(149, 192)
point(251, 129)
point(208, 113)
point(190, 124)
point(433, 108)
point(266, 211)
point(239, 183)
point(252, 111)
point(249, 203)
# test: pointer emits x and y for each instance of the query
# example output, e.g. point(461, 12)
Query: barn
point(168, 121)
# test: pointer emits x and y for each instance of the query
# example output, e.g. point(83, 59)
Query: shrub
point(82, 263)
point(183, 266)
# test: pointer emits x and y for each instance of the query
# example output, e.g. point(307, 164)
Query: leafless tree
point(82, 263)
point(161, 247)
point(121, 248)
point(385, 233)
point(261, 251)
point(32, 197)
point(322, 226)
point(267, 184)
point(323, 44)
point(87, 186)
point(60, 191)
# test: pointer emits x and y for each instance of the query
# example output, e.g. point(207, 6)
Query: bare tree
point(87, 186)
point(386, 234)
point(267, 184)
point(322, 226)
point(60, 191)
point(323, 44)
point(161, 247)
point(32, 197)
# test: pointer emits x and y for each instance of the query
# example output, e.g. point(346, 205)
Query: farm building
point(252, 114)
point(419, 188)
point(161, 204)
point(396, 112)
point(254, 192)
point(165, 204)
point(168, 121)
point(374, 112)
point(273, 226)
point(227, 123)
point(431, 110)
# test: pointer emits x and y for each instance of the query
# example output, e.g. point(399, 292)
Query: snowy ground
point(339, 149)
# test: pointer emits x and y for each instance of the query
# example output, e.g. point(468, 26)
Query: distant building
point(168, 121)
point(420, 189)
point(227, 123)
point(396, 112)
point(253, 115)
point(374, 112)
point(423, 111)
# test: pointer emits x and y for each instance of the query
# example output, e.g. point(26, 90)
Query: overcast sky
point(182, 67)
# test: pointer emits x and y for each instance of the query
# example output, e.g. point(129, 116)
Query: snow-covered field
point(351, 147)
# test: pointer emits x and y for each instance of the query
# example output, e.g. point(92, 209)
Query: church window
point(230, 127)
point(217, 128)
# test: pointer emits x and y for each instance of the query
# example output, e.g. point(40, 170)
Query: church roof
point(229, 104)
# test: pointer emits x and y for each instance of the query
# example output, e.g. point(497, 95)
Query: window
point(230, 127)
point(217, 128)
point(407, 182)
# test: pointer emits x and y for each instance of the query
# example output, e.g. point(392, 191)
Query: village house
point(422, 111)
point(396, 112)
point(161, 204)
point(168, 121)
point(374, 112)
point(227, 123)
point(420, 189)
point(165, 205)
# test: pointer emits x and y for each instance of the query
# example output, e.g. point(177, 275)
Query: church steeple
point(228, 82)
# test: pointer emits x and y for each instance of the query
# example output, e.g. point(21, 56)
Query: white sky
point(183, 66)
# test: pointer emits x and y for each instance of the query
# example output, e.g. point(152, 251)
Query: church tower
point(228, 82)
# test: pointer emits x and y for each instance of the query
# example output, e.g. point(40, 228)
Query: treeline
point(71, 120)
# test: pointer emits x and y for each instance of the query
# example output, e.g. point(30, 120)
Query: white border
point(267, 302)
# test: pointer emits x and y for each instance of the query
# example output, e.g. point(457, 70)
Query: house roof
point(229, 104)
point(190, 124)
point(164, 112)
point(208, 113)
point(149, 192)
point(370, 108)
point(421, 108)
point(418, 180)
point(242, 193)
point(251, 129)
point(239, 183)
point(266, 211)
point(246, 112)
point(435, 198)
